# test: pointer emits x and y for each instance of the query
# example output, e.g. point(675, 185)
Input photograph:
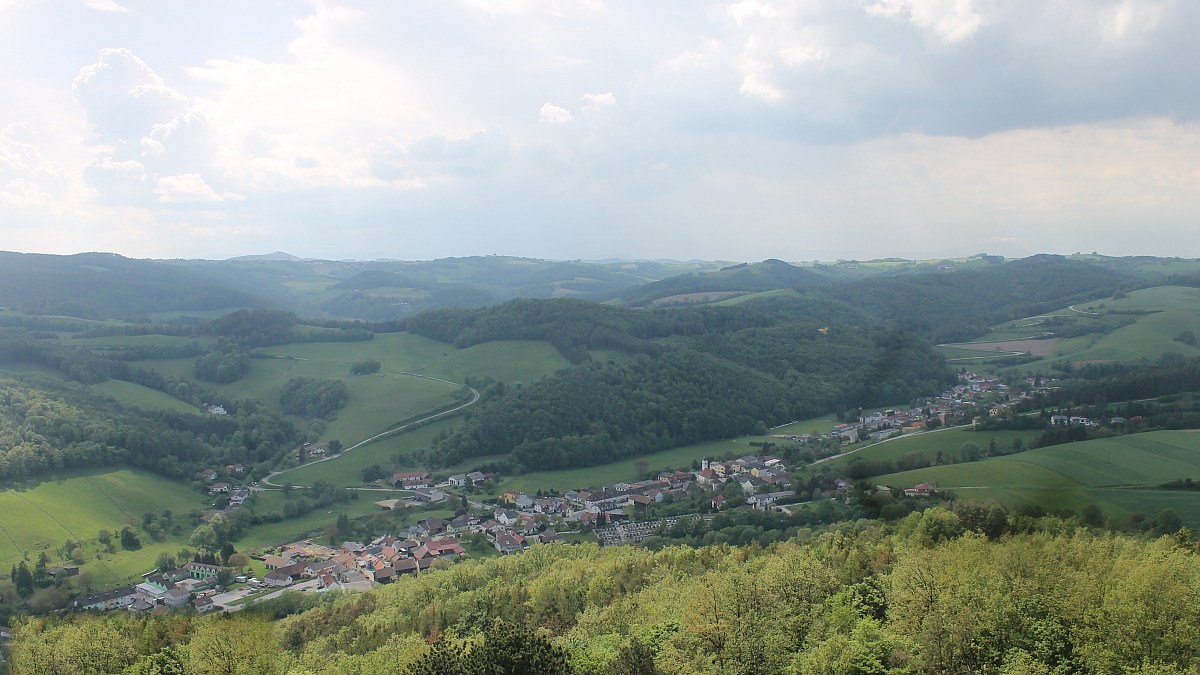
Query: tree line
point(928, 594)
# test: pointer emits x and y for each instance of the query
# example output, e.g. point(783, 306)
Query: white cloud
point(124, 97)
point(106, 6)
point(552, 114)
point(190, 187)
point(951, 21)
point(596, 102)
point(408, 125)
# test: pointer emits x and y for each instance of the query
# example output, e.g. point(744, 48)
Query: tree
point(238, 561)
point(635, 658)
point(510, 648)
point(1169, 522)
point(129, 539)
point(443, 658)
point(364, 367)
point(204, 538)
point(23, 580)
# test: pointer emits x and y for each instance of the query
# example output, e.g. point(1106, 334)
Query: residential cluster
point(357, 566)
point(192, 585)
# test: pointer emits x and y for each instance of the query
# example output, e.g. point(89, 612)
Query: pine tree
point(23, 580)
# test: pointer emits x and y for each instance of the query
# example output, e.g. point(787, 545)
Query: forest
point(933, 593)
point(690, 375)
point(47, 427)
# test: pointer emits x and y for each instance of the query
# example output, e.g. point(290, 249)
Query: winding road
point(270, 479)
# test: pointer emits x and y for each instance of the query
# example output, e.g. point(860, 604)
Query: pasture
point(1157, 316)
point(146, 398)
point(346, 469)
point(1119, 474)
point(78, 505)
point(928, 444)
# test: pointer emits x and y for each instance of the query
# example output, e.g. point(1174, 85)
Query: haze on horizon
point(794, 129)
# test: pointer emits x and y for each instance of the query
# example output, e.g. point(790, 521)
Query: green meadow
point(146, 398)
point(1118, 474)
point(80, 504)
point(1159, 315)
point(346, 469)
point(928, 444)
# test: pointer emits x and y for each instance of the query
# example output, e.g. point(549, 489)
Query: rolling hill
point(1122, 475)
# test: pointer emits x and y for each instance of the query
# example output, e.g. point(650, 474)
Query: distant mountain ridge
point(106, 285)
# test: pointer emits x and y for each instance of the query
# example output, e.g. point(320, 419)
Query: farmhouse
point(410, 480)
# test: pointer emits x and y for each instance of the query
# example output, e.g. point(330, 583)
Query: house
point(508, 544)
point(430, 495)
point(64, 571)
point(507, 517)
point(116, 598)
point(273, 562)
point(410, 480)
point(197, 570)
point(218, 487)
point(204, 604)
point(177, 598)
point(235, 469)
point(209, 475)
point(458, 480)
point(433, 525)
point(920, 490)
point(277, 579)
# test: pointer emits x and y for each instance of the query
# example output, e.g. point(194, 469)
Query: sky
point(595, 129)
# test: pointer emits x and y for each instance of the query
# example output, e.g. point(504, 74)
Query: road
point(270, 480)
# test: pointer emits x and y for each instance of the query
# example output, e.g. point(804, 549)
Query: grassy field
point(377, 401)
point(313, 522)
point(1159, 314)
point(143, 397)
point(928, 444)
point(346, 470)
point(1118, 474)
point(78, 505)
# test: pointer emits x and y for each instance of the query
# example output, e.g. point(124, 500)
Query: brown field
point(708, 296)
point(1033, 347)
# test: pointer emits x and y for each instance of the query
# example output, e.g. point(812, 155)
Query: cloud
point(597, 102)
point(552, 114)
point(124, 97)
point(1129, 18)
point(951, 21)
point(190, 187)
point(106, 6)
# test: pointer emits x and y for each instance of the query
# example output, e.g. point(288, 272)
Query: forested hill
point(684, 376)
point(932, 595)
point(48, 426)
point(767, 275)
point(108, 286)
point(961, 305)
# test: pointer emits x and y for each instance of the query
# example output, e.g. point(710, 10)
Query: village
point(614, 513)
